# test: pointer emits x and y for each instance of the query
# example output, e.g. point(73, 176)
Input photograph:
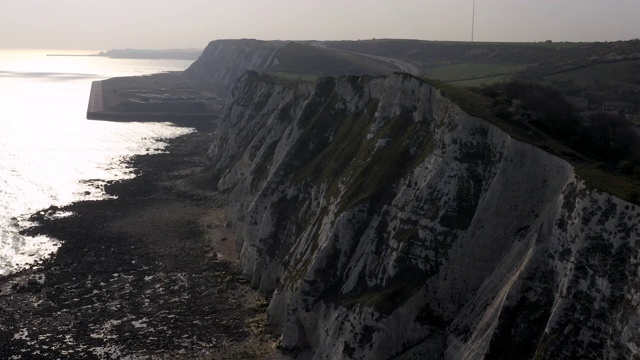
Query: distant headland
point(170, 54)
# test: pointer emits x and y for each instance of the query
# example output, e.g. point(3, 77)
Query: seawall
point(96, 104)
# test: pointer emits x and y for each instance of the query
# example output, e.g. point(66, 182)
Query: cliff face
point(223, 61)
point(387, 223)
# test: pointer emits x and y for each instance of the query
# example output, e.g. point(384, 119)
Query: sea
point(50, 154)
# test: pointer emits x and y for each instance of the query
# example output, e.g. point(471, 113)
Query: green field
point(472, 74)
point(310, 78)
point(297, 58)
point(605, 177)
point(619, 74)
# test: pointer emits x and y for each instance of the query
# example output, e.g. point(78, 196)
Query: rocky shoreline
point(151, 274)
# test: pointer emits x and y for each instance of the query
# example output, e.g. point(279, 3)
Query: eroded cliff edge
point(387, 223)
point(223, 61)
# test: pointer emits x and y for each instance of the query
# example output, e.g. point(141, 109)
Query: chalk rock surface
point(384, 222)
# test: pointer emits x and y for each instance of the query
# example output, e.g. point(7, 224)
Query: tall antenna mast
point(473, 19)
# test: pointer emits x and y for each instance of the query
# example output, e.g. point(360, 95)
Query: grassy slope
point(438, 53)
point(472, 64)
point(475, 104)
point(609, 81)
point(594, 70)
point(298, 58)
point(589, 170)
point(616, 73)
point(472, 74)
point(465, 64)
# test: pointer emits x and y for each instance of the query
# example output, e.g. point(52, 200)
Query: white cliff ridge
point(223, 61)
point(384, 222)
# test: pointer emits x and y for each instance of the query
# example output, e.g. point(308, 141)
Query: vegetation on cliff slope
point(603, 148)
point(297, 58)
point(596, 71)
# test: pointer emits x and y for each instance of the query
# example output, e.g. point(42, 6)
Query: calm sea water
point(49, 151)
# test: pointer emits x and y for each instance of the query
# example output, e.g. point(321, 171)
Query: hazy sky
point(161, 24)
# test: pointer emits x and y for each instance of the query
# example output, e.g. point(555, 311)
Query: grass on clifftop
point(607, 177)
point(297, 58)
point(310, 78)
point(468, 72)
point(597, 174)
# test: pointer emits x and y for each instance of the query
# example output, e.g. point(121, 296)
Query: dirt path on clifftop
point(149, 275)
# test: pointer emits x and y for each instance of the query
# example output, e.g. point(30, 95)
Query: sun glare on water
point(49, 153)
point(22, 62)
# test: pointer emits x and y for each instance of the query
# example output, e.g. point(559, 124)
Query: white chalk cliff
point(385, 223)
point(223, 61)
